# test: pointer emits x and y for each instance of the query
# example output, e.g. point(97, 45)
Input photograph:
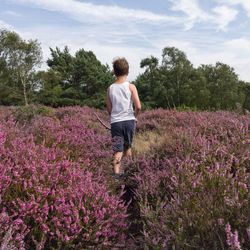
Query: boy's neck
point(121, 79)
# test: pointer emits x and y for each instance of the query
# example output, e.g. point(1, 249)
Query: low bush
point(190, 187)
point(189, 181)
point(50, 199)
point(24, 114)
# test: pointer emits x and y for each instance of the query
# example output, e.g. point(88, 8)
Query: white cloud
point(224, 16)
point(245, 4)
point(241, 45)
point(235, 53)
point(139, 39)
point(240, 48)
point(192, 10)
point(221, 15)
point(79, 11)
point(98, 40)
point(85, 12)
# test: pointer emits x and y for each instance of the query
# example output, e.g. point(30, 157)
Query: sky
point(207, 31)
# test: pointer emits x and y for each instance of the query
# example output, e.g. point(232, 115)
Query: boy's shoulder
point(110, 86)
point(115, 84)
point(132, 86)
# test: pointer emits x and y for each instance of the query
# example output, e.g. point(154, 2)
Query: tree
point(175, 82)
point(148, 80)
point(177, 69)
point(62, 64)
point(246, 103)
point(195, 92)
point(82, 77)
point(223, 84)
point(163, 85)
point(19, 59)
point(50, 89)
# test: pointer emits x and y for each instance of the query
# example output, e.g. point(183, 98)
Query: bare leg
point(128, 153)
point(117, 162)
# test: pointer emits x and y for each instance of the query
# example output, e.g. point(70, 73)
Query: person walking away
point(121, 95)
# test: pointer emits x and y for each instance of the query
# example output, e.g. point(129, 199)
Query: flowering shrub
point(196, 182)
point(191, 185)
point(70, 130)
point(49, 199)
point(232, 238)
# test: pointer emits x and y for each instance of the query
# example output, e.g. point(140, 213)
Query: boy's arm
point(135, 98)
point(108, 103)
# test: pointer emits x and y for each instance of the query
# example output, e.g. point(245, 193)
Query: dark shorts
point(122, 135)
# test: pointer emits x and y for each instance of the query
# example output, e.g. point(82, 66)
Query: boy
point(120, 98)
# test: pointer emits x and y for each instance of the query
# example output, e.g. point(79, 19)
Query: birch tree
point(19, 58)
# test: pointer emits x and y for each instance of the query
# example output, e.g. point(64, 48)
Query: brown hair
point(120, 66)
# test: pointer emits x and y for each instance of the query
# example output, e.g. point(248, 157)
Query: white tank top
point(122, 105)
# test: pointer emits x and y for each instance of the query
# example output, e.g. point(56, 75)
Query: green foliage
point(9, 95)
point(62, 102)
point(246, 104)
point(186, 108)
point(24, 114)
point(223, 84)
point(18, 60)
point(82, 78)
point(195, 92)
point(175, 82)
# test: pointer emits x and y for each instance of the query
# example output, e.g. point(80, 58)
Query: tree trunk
point(25, 93)
point(178, 89)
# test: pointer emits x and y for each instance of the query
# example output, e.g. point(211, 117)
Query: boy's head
point(121, 67)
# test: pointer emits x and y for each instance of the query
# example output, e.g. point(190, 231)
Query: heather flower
point(2, 139)
point(199, 171)
point(49, 195)
point(55, 185)
point(232, 238)
point(6, 243)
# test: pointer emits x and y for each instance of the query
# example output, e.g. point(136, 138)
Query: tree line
point(81, 79)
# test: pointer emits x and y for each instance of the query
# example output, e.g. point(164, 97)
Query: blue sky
point(207, 31)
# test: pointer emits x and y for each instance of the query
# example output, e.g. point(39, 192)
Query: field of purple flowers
point(187, 187)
